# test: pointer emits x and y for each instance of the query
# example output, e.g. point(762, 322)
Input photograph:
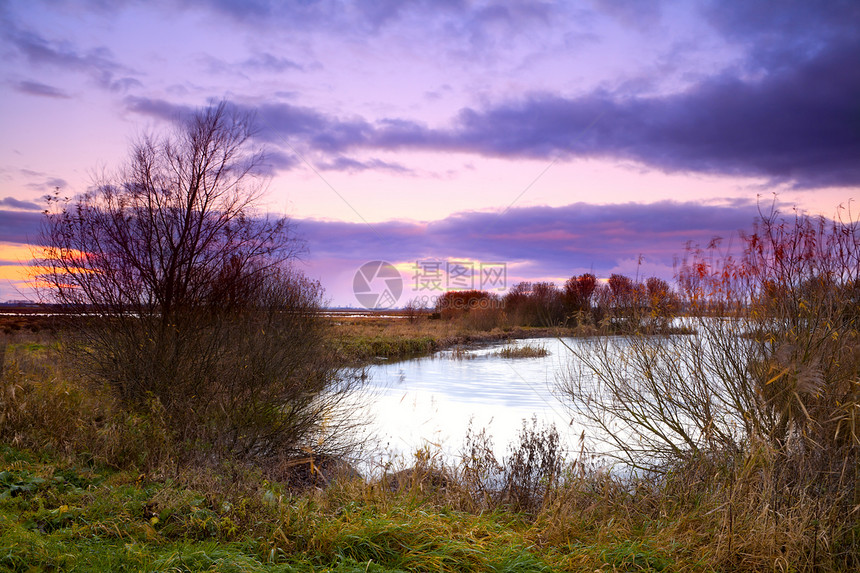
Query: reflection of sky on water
point(433, 399)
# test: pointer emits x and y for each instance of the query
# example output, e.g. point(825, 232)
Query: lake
point(432, 400)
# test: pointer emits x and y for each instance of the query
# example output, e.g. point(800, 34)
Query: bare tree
point(162, 234)
point(192, 304)
point(414, 308)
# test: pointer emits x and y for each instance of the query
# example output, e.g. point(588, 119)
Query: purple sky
point(557, 138)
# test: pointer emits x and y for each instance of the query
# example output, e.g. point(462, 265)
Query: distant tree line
point(619, 304)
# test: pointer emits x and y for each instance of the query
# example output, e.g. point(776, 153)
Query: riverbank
point(371, 338)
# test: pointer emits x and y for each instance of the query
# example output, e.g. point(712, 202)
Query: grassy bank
point(59, 517)
point(367, 338)
point(65, 515)
point(62, 516)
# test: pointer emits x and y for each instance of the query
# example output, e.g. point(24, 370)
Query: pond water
point(432, 400)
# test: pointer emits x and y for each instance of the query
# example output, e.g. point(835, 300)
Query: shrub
point(192, 305)
point(475, 309)
point(767, 389)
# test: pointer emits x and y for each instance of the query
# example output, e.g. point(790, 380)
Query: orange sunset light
point(17, 268)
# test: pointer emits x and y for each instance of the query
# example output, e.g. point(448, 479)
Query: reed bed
point(523, 351)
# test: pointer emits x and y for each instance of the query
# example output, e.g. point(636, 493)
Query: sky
point(548, 139)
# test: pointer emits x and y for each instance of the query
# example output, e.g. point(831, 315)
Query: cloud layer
point(536, 241)
point(429, 106)
point(796, 124)
point(559, 241)
point(19, 227)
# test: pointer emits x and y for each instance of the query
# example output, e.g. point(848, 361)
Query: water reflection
point(432, 399)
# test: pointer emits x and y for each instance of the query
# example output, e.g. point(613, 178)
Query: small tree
point(619, 303)
point(518, 304)
point(415, 308)
point(534, 304)
point(578, 293)
point(549, 303)
point(192, 304)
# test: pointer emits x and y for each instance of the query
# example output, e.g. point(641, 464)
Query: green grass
point(57, 517)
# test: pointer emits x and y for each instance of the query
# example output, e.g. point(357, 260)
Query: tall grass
point(67, 515)
point(532, 510)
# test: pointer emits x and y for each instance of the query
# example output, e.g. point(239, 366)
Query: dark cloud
point(260, 9)
point(158, 108)
point(280, 124)
point(41, 181)
point(271, 63)
point(797, 24)
point(378, 13)
point(360, 16)
point(797, 124)
point(98, 62)
point(19, 226)
point(789, 112)
point(354, 165)
point(275, 120)
point(499, 19)
point(642, 16)
point(40, 89)
point(18, 204)
point(280, 121)
point(265, 62)
point(49, 184)
point(778, 35)
point(458, 27)
point(276, 161)
point(554, 241)
point(800, 125)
